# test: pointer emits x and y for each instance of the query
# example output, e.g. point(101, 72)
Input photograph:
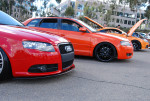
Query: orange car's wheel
point(5, 69)
point(105, 52)
point(136, 45)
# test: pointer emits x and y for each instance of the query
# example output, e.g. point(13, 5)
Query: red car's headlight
point(42, 46)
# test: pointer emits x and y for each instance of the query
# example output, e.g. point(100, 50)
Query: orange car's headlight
point(125, 43)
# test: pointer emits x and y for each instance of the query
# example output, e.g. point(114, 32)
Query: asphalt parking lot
point(119, 80)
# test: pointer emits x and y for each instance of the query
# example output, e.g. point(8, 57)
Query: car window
point(104, 31)
point(135, 35)
point(111, 31)
point(69, 25)
point(34, 22)
point(49, 23)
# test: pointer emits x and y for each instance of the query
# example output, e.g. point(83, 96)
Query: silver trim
point(1, 62)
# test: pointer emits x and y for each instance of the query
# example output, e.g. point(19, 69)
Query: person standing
point(118, 26)
point(105, 25)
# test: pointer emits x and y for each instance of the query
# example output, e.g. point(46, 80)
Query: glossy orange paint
point(85, 42)
point(128, 35)
point(22, 59)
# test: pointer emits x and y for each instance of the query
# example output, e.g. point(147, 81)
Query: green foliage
point(83, 19)
point(58, 1)
point(43, 14)
point(88, 11)
point(69, 11)
point(147, 13)
point(33, 8)
point(134, 4)
point(20, 1)
point(7, 6)
point(45, 3)
point(107, 16)
point(100, 8)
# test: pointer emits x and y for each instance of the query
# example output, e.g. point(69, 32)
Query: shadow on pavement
point(146, 50)
point(86, 58)
point(39, 80)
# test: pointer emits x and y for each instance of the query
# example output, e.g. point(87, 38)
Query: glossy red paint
point(21, 59)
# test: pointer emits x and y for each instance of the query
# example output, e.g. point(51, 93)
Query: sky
point(39, 3)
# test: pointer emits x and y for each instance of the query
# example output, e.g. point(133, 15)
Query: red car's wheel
point(5, 69)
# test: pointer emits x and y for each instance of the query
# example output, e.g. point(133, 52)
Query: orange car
point(138, 43)
point(85, 39)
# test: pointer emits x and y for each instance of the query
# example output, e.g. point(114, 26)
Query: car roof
point(54, 17)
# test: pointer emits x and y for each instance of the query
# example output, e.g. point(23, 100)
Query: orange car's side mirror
point(82, 29)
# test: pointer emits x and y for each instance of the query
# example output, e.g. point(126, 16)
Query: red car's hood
point(35, 35)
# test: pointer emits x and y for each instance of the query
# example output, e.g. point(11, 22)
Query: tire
point(5, 69)
point(136, 45)
point(105, 52)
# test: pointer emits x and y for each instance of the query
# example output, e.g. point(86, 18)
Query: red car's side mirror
point(82, 29)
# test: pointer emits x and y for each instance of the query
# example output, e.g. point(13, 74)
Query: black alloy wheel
point(136, 46)
point(5, 69)
point(105, 52)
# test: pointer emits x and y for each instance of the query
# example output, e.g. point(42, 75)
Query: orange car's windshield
point(87, 26)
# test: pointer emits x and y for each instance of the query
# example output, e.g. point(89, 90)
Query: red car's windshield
point(5, 19)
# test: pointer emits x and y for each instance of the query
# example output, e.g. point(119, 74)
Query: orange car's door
point(80, 40)
point(50, 25)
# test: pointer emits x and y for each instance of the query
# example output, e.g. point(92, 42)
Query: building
point(19, 9)
point(122, 15)
point(52, 11)
point(22, 11)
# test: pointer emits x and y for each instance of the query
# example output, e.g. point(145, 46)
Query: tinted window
point(69, 25)
point(135, 35)
point(34, 23)
point(8, 20)
point(49, 23)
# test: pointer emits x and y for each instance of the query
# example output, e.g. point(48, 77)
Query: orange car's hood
point(93, 21)
point(130, 32)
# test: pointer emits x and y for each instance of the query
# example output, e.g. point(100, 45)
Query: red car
point(28, 53)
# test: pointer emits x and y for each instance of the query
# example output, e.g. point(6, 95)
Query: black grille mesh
point(67, 64)
point(62, 48)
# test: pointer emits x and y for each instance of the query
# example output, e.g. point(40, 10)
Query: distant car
point(28, 53)
point(138, 43)
point(148, 38)
point(143, 35)
point(85, 39)
point(139, 35)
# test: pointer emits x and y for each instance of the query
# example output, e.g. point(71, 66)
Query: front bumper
point(145, 45)
point(58, 74)
point(33, 58)
point(125, 52)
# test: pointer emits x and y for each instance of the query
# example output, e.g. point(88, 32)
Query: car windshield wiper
point(3, 24)
point(12, 25)
point(19, 25)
